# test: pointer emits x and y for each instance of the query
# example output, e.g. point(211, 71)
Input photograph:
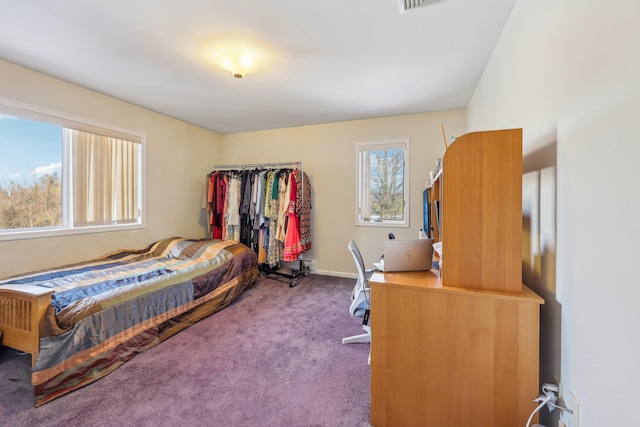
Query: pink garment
point(292, 246)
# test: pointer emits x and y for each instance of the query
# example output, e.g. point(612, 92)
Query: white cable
point(542, 403)
point(552, 390)
point(548, 399)
point(553, 406)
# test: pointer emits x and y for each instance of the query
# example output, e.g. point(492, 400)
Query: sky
point(27, 149)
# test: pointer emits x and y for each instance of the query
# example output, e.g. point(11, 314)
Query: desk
point(447, 356)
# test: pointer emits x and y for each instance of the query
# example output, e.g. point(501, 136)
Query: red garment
point(217, 204)
point(224, 182)
point(210, 203)
point(292, 246)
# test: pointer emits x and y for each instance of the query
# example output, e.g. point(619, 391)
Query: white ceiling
point(325, 60)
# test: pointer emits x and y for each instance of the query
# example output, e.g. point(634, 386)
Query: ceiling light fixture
point(237, 62)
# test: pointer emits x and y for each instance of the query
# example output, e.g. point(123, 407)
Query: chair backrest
point(357, 257)
point(360, 292)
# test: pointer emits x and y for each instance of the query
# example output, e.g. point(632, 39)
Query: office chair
point(359, 296)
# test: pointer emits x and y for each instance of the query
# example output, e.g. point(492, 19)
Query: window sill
point(386, 224)
point(54, 232)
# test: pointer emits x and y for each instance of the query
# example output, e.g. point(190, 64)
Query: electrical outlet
point(570, 416)
point(311, 265)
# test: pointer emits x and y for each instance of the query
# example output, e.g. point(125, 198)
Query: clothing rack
point(244, 166)
point(265, 269)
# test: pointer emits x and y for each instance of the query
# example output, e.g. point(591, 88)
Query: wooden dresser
point(462, 349)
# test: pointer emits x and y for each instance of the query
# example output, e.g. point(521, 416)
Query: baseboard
point(337, 274)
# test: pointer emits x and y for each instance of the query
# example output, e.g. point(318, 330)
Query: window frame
point(29, 112)
point(373, 146)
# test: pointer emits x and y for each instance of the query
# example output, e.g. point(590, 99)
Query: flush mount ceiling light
point(237, 62)
point(239, 56)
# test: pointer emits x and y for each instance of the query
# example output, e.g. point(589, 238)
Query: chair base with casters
point(362, 338)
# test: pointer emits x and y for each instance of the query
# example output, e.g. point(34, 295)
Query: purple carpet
point(272, 358)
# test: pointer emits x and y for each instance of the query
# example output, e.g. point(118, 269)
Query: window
point(382, 187)
point(59, 176)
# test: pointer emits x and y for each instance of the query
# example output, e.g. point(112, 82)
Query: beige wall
point(178, 156)
point(567, 72)
point(328, 153)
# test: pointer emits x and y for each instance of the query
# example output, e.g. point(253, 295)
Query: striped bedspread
point(106, 310)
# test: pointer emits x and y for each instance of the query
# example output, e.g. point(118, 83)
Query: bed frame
point(209, 275)
point(22, 309)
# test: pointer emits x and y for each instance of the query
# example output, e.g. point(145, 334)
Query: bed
point(80, 322)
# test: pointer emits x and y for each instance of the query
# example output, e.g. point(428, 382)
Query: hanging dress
point(292, 246)
point(274, 248)
point(283, 205)
point(233, 209)
point(303, 208)
point(218, 195)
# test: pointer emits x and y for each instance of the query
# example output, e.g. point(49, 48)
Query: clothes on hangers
point(292, 246)
point(303, 209)
point(267, 209)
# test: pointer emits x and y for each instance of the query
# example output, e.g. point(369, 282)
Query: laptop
point(406, 255)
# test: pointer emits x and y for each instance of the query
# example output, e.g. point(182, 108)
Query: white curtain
point(105, 184)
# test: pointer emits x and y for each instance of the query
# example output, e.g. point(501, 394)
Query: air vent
point(407, 5)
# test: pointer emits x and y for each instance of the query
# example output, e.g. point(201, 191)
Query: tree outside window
point(382, 186)
point(60, 177)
